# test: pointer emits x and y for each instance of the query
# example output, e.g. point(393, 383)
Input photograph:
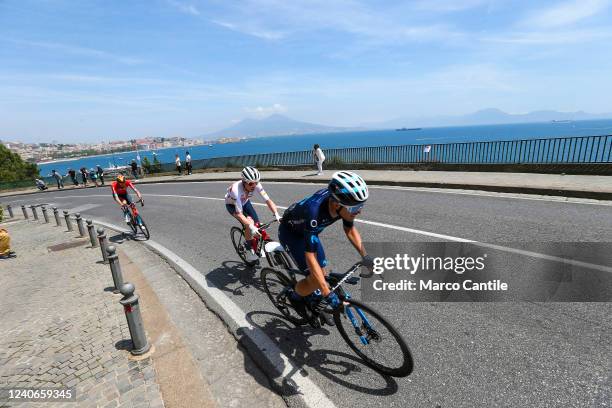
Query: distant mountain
point(488, 117)
point(273, 125)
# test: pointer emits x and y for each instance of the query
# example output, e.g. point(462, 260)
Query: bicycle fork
point(358, 327)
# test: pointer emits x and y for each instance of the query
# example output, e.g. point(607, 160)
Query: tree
point(13, 168)
point(156, 165)
point(146, 165)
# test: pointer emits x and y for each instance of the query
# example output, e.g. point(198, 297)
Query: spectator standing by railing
point(84, 175)
point(58, 179)
point(100, 172)
point(134, 166)
point(72, 175)
point(188, 163)
point(177, 161)
point(319, 158)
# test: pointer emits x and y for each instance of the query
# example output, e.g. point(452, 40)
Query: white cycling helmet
point(348, 188)
point(250, 174)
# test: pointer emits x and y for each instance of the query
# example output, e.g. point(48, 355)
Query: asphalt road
point(466, 354)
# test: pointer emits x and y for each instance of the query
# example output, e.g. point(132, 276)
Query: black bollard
point(115, 267)
point(45, 215)
point(92, 234)
point(103, 243)
point(140, 345)
point(79, 221)
point(57, 217)
point(67, 218)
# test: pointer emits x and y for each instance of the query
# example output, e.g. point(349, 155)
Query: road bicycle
point(376, 341)
point(135, 219)
point(265, 247)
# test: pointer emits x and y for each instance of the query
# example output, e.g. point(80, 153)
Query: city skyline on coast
point(82, 71)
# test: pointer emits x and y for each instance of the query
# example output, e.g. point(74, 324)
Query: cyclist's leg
point(249, 212)
point(231, 208)
point(310, 284)
point(125, 199)
point(295, 246)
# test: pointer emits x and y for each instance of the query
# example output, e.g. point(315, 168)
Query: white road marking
point(477, 193)
point(83, 207)
point(429, 234)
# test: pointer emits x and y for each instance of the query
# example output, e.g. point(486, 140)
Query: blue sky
point(100, 70)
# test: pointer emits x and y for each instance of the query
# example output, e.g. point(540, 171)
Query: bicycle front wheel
point(132, 225)
point(143, 228)
point(373, 339)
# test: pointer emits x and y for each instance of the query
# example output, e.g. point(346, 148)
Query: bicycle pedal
point(315, 323)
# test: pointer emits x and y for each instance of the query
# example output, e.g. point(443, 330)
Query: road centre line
point(439, 190)
point(426, 233)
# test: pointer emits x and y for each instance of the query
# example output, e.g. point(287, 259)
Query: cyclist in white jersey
point(238, 203)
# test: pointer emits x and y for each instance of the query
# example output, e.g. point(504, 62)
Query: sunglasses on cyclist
point(252, 183)
point(355, 209)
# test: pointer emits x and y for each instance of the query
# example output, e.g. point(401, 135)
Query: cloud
point(276, 19)
point(253, 31)
point(266, 110)
point(83, 51)
point(184, 8)
point(551, 37)
point(448, 6)
point(566, 13)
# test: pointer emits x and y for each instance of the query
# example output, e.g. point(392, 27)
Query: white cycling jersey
point(238, 196)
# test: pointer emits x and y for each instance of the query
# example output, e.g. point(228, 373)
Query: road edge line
point(289, 379)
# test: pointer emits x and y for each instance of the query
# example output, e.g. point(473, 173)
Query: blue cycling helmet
point(348, 188)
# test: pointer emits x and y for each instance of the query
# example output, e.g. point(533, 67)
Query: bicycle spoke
point(375, 340)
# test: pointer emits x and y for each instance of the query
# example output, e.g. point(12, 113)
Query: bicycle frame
point(133, 211)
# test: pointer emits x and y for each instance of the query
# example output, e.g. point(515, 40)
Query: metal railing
point(563, 150)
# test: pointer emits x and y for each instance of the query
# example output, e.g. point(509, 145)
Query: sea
point(391, 137)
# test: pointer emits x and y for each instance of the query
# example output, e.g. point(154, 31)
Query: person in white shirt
point(238, 204)
point(319, 158)
point(188, 163)
point(177, 161)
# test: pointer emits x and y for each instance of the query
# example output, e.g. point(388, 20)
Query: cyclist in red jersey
point(120, 193)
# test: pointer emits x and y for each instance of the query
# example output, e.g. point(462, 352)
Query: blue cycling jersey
point(311, 216)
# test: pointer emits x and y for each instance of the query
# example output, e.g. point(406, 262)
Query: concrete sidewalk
point(579, 186)
point(73, 331)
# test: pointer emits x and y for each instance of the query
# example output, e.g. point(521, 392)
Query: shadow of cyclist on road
point(345, 369)
point(233, 276)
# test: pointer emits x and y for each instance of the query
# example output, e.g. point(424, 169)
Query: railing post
point(103, 243)
point(57, 218)
point(25, 213)
point(92, 233)
point(68, 222)
point(115, 267)
point(10, 211)
point(79, 221)
point(34, 212)
point(140, 345)
point(45, 215)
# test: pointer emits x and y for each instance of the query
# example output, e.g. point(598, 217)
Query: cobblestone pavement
point(59, 326)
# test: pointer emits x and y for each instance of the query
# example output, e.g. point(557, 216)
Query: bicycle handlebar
point(266, 225)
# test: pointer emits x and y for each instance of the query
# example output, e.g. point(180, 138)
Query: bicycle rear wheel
point(238, 240)
point(373, 339)
point(275, 284)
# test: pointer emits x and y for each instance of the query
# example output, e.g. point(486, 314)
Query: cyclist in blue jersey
point(302, 223)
